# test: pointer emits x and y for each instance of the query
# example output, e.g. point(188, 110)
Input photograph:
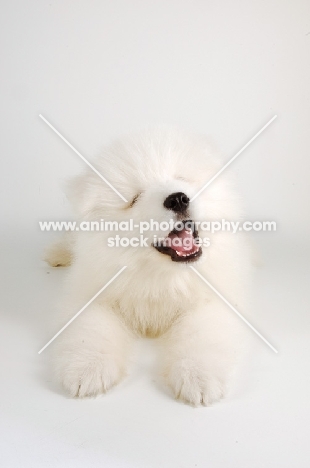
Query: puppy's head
point(158, 173)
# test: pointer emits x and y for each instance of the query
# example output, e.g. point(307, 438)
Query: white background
point(99, 69)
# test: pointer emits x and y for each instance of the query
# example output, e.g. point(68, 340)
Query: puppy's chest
point(149, 317)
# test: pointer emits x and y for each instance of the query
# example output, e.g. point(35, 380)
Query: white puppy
point(158, 295)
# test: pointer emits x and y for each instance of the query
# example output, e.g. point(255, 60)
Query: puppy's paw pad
point(88, 378)
point(194, 385)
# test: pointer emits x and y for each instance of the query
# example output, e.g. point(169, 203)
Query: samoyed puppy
point(158, 294)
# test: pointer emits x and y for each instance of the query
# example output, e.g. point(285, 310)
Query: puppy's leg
point(91, 355)
point(60, 252)
point(199, 354)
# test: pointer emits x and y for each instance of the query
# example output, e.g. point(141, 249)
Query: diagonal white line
point(234, 310)
point(83, 308)
point(233, 158)
point(83, 158)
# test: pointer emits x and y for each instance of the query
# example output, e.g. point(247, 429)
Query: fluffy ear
point(82, 194)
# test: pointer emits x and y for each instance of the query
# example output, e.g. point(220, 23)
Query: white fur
point(200, 337)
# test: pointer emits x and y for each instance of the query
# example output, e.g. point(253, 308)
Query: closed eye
point(134, 200)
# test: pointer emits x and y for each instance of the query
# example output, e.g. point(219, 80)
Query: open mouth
point(182, 243)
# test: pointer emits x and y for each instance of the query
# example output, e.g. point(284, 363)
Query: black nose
point(177, 202)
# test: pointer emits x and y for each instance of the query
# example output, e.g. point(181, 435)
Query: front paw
point(192, 383)
point(89, 374)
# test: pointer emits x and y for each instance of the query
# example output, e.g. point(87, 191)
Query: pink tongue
point(183, 241)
